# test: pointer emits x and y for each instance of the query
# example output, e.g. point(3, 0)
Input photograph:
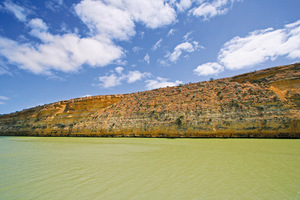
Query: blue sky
point(58, 49)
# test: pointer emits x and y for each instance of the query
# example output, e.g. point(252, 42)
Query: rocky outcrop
point(258, 104)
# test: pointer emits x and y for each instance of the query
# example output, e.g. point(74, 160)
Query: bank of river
point(148, 168)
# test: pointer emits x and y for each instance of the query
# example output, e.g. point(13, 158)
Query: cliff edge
point(263, 103)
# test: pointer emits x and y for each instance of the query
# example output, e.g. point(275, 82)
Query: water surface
point(136, 168)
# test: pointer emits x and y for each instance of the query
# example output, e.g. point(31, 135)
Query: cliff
point(258, 104)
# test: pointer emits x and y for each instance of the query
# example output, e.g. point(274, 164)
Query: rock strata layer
point(258, 104)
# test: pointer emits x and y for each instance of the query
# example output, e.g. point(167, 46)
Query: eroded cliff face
point(258, 104)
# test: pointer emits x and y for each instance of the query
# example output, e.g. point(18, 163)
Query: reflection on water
point(123, 168)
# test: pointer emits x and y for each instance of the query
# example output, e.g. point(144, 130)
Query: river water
point(144, 168)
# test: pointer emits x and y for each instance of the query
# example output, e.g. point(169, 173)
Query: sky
point(62, 49)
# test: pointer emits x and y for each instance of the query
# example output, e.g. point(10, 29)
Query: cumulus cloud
point(38, 24)
point(39, 29)
point(19, 12)
point(208, 69)
point(207, 10)
point(115, 79)
point(157, 45)
point(187, 47)
point(159, 82)
point(106, 20)
point(151, 13)
point(147, 58)
point(65, 53)
point(119, 70)
point(183, 47)
point(115, 19)
point(261, 45)
point(257, 47)
point(110, 80)
point(184, 5)
point(134, 76)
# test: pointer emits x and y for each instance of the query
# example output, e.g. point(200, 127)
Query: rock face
point(258, 104)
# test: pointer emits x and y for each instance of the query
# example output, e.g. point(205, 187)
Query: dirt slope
point(259, 104)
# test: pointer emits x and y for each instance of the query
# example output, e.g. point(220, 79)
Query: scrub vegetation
point(258, 104)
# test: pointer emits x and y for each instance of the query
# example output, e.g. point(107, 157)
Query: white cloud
point(147, 58)
point(38, 24)
point(292, 25)
point(39, 29)
point(54, 5)
point(257, 47)
point(136, 49)
point(184, 5)
point(114, 79)
point(157, 45)
point(107, 22)
point(4, 68)
point(152, 13)
point(105, 19)
point(208, 10)
point(160, 83)
point(65, 29)
point(187, 35)
point(171, 32)
point(65, 53)
point(141, 34)
point(18, 11)
point(4, 98)
point(119, 70)
point(183, 47)
point(134, 76)
point(208, 69)
point(4, 71)
point(110, 81)
point(261, 45)
point(115, 19)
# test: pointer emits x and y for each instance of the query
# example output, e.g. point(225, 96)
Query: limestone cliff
point(258, 104)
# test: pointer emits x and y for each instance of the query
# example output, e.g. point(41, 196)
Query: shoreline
point(281, 136)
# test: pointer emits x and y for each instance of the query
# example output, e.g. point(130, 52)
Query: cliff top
point(271, 76)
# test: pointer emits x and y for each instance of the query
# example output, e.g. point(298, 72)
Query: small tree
point(178, 121)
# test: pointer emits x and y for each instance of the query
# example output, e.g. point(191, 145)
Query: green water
point(123, 168)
